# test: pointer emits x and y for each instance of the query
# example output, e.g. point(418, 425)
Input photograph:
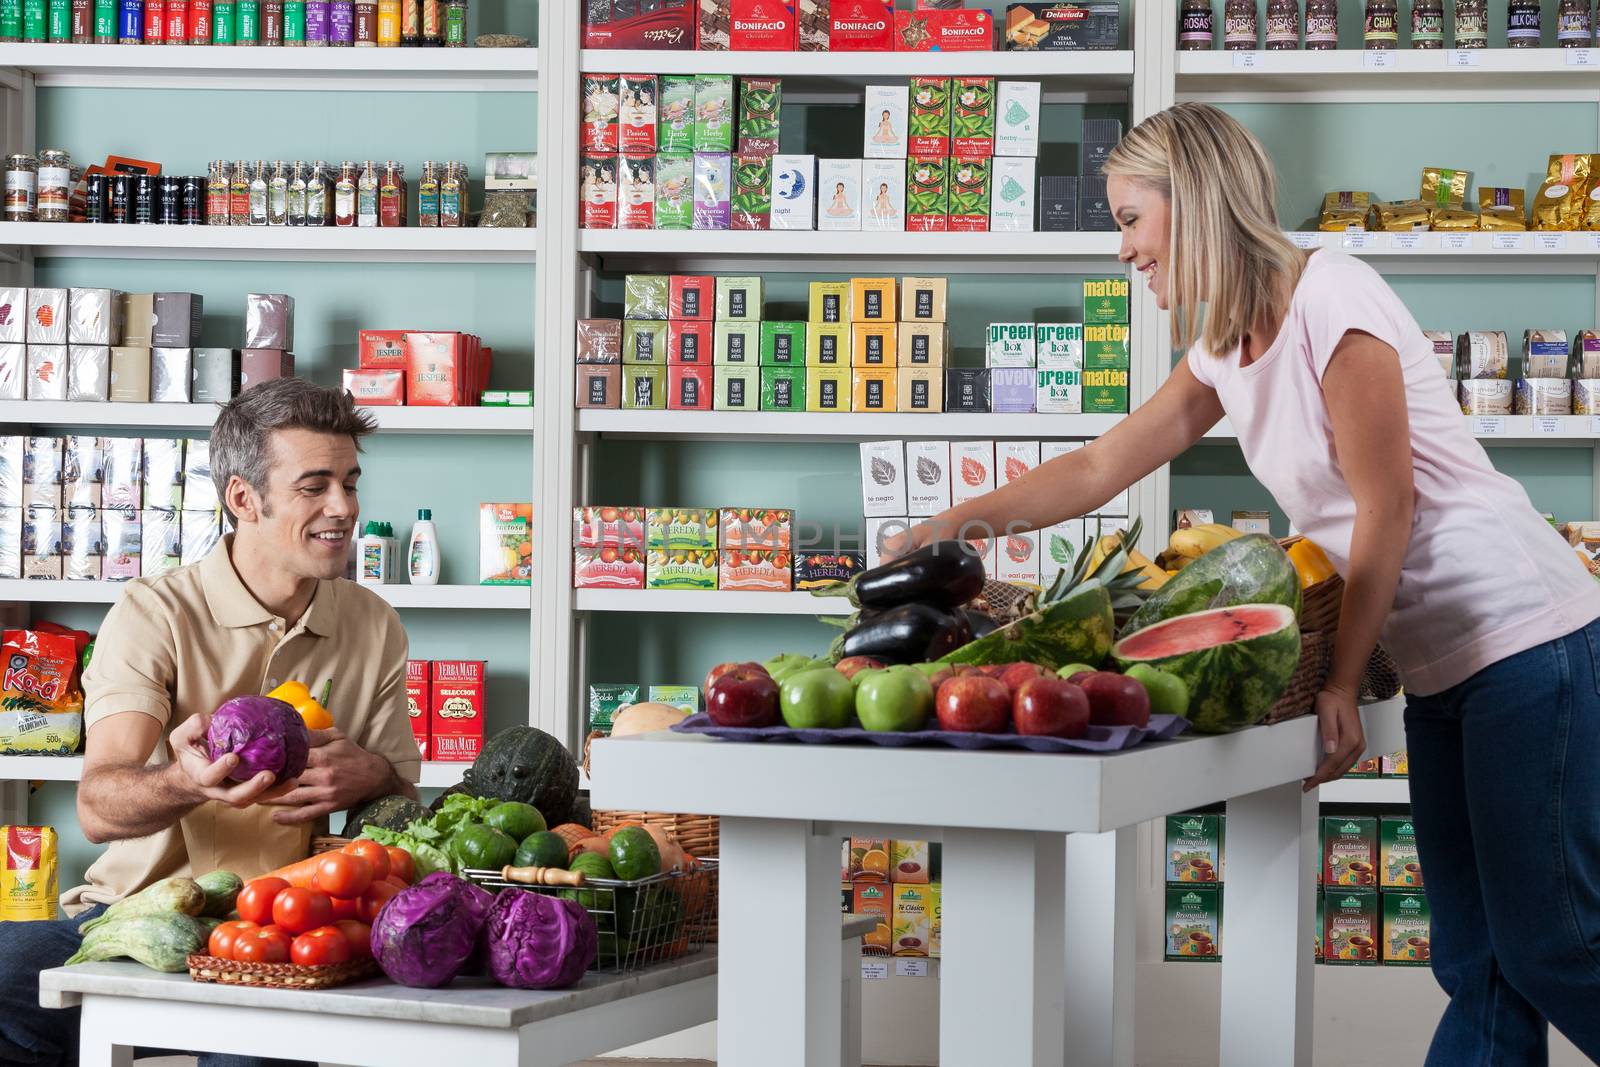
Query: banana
point(1155, 577)
point(1198, 540)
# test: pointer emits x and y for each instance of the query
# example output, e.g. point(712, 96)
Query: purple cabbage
point(539, 942)
point(425, 935)
point(266, 735)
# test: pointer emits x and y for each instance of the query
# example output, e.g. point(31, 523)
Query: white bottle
point(372, 556)
point(423, 556)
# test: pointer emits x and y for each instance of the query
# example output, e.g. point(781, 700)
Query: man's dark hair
point(241, 440)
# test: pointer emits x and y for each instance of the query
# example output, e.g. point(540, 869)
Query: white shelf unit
point(403, 420)
point(1474, 253)
point(1355, 73)
point(709, 602)
point(420, 597)
point(340, 244)
point(824, 426)
point(435, 774)
point(1366, 791)
point(1531, 431)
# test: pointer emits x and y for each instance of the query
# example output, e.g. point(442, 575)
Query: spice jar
point(1322, 25)
point(217, 193)
point(1523, 24)
point(1427, 24)
point(1239, 25)
point(1283, 25)
point(366, 23)
point(22, 187)
point(1381, 29)
point(1196, 28)
point(1573, 24)
point(54, 185)
point(455, 23)
point(319, 194)
point(1472, 24)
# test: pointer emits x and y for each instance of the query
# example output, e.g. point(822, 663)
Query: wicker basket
point(204, 968)
point(328, 843)
point(1310, 674)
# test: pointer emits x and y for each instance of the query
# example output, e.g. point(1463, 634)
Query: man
point(268, 605)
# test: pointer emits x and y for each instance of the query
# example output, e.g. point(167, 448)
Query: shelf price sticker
point(1548, 242)
point(1594, 425)
point(1581, 57)
point(1593, 241)
point(1378, 59)
point(1463, 58)
point(1407, 242)
point(1359, 239)
point(911, 968)
point(1313, 239)
point(1488, 425)
point(1457, 242)
point(1510, 242)
point(874, 970)
point(1249, 60)
point(1549, 424)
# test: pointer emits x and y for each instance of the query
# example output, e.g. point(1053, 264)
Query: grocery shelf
point(442, 774)
point(1547, 431)
point(1464, 252)
point(1354, 72)
point(839, 252)
point(407, 244)
point(1366, 791)
point(435, 774)
point(708, 602)
point(421, 597)
point(409, 420)
point(258, 69)
point(827, 426)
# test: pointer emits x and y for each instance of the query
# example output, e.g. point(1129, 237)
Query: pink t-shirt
point(1484, 576)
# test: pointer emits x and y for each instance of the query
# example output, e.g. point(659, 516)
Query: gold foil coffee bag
point(1564, 193)
point(1443, 187)
point(1401, 216)
point(1501, 209)
point(1344, 211)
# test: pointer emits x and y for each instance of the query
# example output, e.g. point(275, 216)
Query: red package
point(418, 702)
point(485, 367)
point(689, 341)
point(455, 715)
point(40, 692)
point(609, 567)
point(376, 388)
point(597, 190)
point(861, 26)
point(692, 296)
point(688, 387)
point(943, 31)
point(436, 369)
point(763, 26)
point(382, 350)
point(597, 527)
point(666, 28)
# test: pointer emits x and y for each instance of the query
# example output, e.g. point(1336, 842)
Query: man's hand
point(208, 780)
point(1343, 739)
point(339, 774)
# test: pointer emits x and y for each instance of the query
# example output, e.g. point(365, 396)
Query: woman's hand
point(1343, 739)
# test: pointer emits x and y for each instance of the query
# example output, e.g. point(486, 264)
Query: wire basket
point(642, 922)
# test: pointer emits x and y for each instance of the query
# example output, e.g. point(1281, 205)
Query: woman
point(1342, 413)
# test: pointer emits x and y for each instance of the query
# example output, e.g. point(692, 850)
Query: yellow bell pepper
point(298, 697)
point(1311, 563)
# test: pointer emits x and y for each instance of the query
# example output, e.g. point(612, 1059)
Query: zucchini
point(221, 888)
point(181, 895)
point(162, 942)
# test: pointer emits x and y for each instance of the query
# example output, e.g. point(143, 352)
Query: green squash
point(526, 764)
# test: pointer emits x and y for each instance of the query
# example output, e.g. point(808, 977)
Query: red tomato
point(342, 875)
point(222, 938)
point(376, 855)
point(274, 928)
point(397, 883)
point(346, 909)
point(359, 935)
point(316, 948)
point(401, 865)
point(262, 946)
point(299, 910)
point(255, 901)
point(374, 900)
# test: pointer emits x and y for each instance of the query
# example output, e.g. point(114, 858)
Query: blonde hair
point(1228, 253)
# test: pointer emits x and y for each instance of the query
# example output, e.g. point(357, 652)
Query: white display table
point(376, 1023)
point(1009, 993)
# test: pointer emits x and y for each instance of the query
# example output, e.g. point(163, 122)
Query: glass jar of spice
point(54, 185)
point(1381, 29)
point(1322, 25)
point(1427, 24)
point(1196, 26)
point(1523, 24)
point(1573, 24)
point(1239, 26)
point(22, 188)
point(1283, 25)
point(1472, 24)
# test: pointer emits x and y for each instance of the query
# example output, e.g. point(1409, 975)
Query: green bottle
point(247, 22)
point(105, 21)
point(34, 23)
point(294, 23)
point(222, 22)
point(60, 20)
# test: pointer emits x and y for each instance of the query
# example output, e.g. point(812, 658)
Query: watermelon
point(1076, 629)
point(1251, 569)
point(1237, 661)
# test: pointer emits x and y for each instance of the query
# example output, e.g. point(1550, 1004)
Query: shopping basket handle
point(542, 876)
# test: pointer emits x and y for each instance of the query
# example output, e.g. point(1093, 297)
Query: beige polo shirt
point(188, 640)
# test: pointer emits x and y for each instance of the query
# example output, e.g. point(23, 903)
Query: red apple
point(1114, 699)
point(743, 697)
point(973, 704)
point(964, 669)
point(941, 676)
point(992, 670)
point(1016, 673)
point(723, 668)
point(851, 664)
point(1048, 706)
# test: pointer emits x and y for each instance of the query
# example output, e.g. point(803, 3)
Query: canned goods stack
point(267, 23)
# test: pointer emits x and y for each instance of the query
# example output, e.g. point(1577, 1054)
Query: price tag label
point(1463, 58)
point(1378, 59)
point(1594, 424)
point(1488, 425)
point(1249, 60)
point(911, 968)
point(1358, 240)
point(1592, 240)
point(1549, 424)
point(1313, 239)
point(1550, 242)
point(1508, 242)
point(874, 970)
point(1406, 241)
point(1456, 242)
point(1581, 57)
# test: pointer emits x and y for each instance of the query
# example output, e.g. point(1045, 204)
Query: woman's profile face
point(1145, 218)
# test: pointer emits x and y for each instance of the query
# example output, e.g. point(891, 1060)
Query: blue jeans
point(31, 1036)
point(1505, 796)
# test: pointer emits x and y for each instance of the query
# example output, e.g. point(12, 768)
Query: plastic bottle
point(391, 552)
point(423, 556)
point(372, 556)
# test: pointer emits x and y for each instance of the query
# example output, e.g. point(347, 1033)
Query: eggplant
point(982, 624)
point(943, 573)
point(908, 633)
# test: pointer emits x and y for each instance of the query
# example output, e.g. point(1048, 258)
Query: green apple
point(816, 699)
point(781, 666)
point(1073, 668)
point(1169, 694)
point(899, 699)
point(860, 676)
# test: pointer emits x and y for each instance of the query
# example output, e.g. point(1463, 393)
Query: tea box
point(884, 120)
point(1350, 850)
point(1018, 559)
point(1105, 300)
point(736, 343)
point(644, 388)
point(1105, 392)
point(883, 478)
point(1193, 923)
point(909, 935)
point(610, 567)
point(783, 388)
point(505, 544)
point(681, 569)
point(1367, 768)
point(927, 194)
point(821, 570)
point(689, 387)
point(713, 113)
point(873, 300)
point(922, 344)
point(755, 569)
point(838, 194)
point(644, 341)
point(1061, 342)
point(605, 700)
point(1011, 389)
point(793, 192)
point(636, 113)
point(600, 113)
point(971, 470)
point(1316, 938)
point(929, 120)
point(1017, 119)
point(673, 529)
point(1011, 185)
point(456, 708)
point(969, 194)
point(1407, 930)
point(674, 113)
point(1398, 865)
point(593, 527)
point(935, 923)
point(879, 531)
point(908, 861)
point(750, 205)
point(1194, 848)
point(924, 300)
point(736, 388)
point(674, 192)
point(597, 189)
point(783, 344)
point(1105, 346)
point(418, 702)
point(829, 303)
point(827, 388)
point(867, 860)
point(690, 341)
point(1058, 388)
point(883, 195)
point(1352, 926)
point(1395, 765)
point(966, 389)
point(738, 298)
point(972, 118)
point(1009, 344)
point(874, 900)
point(684, 697)
point(713, 175)
point(920, 389)
point(872, 344)
point(760, 109)
point(755, 527)
point(873, 389)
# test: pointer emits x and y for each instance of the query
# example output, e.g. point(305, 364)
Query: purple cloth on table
point(1098, 739)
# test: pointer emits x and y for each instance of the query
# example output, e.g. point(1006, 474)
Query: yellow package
point(28, 873)
point(1501, 209)
point(1443, 187)
point(1400, 216)
point(41, 698)
point(1344, 211)
point(1452, 218)
point(1565, 191)
point(505, 544)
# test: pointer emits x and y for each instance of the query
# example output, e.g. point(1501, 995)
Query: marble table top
point(465, 1002)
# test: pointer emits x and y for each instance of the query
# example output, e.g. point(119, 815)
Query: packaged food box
point(1367, 768)
point(1105, 392)
point(879, 531)
point(736, 343)
point(681, 569)
point(1059, 389)
point(636, 113)
point(867, 859)
point(873, 899)
point(935, 925)
point(597, 190)
point(783, 388)
point(674, 191)
point(927, 477)
point(952, 30)
point(1193, 923)
point(929, 120)
point(1012, 389)
point(14, 371)
point(908, 863)
point(674, 113)
point(794, 179)
point(385, 349)
point(599, 341)
point(755, 569)
point(456, 708)
point(691, 296)
point(966, 389)
point(123, 533)
point(1106, 346)
point(860, 25)
point(685, 697)
point(644, 388)
point(689, 341)
point(95, 317)
point(883, 478)
point(1017, 119)
point(47, 316)
point(1350, 850)
point(910, 933)
point(762, 26)
point(920, 389)
point(599, 385)
point(751, 199)
point(376, 388)
point(14, 314)
point(739, 299)
point(873, 344)
point(1321, 922)
point(1010, 344)
point(644, 341)
point(1061, 27)
point(163, 473)
point(689, 386)
point(1395, 765)
point(605, 700)
point(822, 570)
point(1352, 930)
point(884, 119)
point(674, 529)
point(922, 344)
point(783, 344)
point(601, 104)
point(130, 375)
point(646, 296)
point(755, 527)
point(713, 113)
point(873, 389)
point(971, 119)
point(839, 194)
point(969, 194)
point(1194, 847)
point(883, 195)
point(828, 344)
point(737, 388)
point(419, 702)
point(713, 178)
point(437, 369)
point(609, 567)
point(830, 302)
point(161, 535)
point(760, 115)
point(47, 372)
point(1017, 558)
point(505, 544)
point(1398, 865)
point(873, 300)
point(827, 388)
point(927, 194)
point(594, 527)
point(1407, 930)
point(83, 545)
